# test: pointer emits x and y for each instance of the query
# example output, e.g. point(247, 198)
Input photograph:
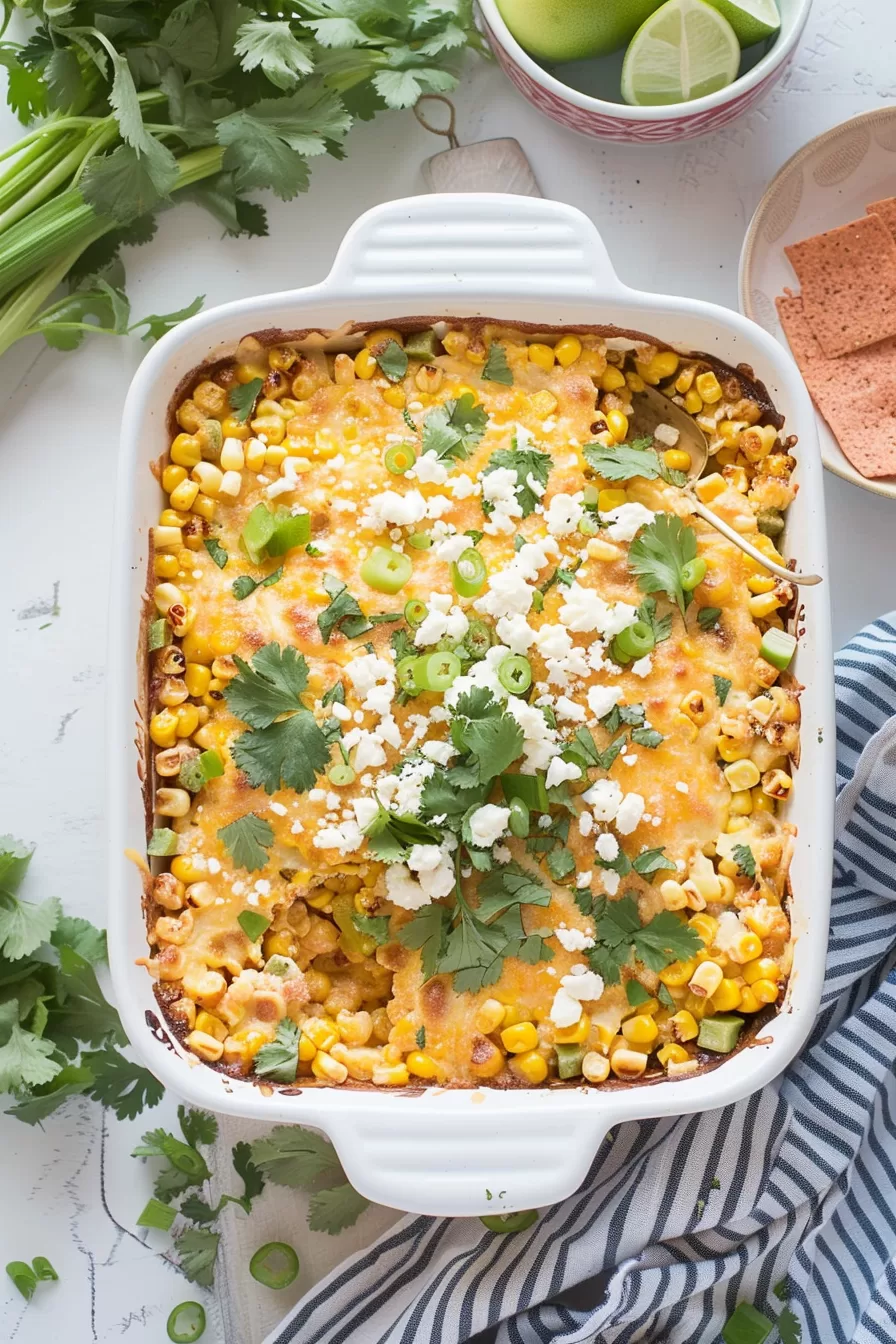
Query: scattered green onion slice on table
point(518, 821)
point(186, 1322)
point(692, 573)
point(421, 541)
point(515, 673)
point(157, 1214)
point(275, 1265)
point(400, 458)
point(469, 573)
point(777, 647)
point(509, 1222)
point(478, 639)
point(43, 1269)
point(24, 1278)
point(386, 570)
point(436, 671)
point(341, 775)
point(635, 641)
point(404, 673)
point(415, 612)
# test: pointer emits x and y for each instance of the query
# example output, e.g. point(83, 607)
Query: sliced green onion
point(24, 1278)
point(212, 765)
point(590, 496)
point(588, 527)
point(478, 639)
point(290, 530)
point(518, 821)
point(530, 789)
point(421, 541)
point(415, 612)
point(257, 531)
point(746, 1325)
point(510, 1222)
point(404, 673)
point(436, 671)
point(252, 924)
point(197, 771)
point(692, 573)
point(635, 641)
point(341, 775)
point(159, 1215)
point(163, 843)
point(275, 1265)
point(385, 570)
point(777, 647)
point(537, 601)
point(400, 458)
point(515, 673)
point(469, 573)
point(186, 1323)
point(43, 1269)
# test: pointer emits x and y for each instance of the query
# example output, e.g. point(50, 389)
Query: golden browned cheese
point(334, 434)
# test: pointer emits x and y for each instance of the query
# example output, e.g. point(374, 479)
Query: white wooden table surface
point(673, 218)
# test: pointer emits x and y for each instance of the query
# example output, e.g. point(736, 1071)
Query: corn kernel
point(211, 1025)
point(187, 720)
point(421, 1065)
point(365, 364)
point(394, 396)
point(731, 750)
point(693, 704)
point(531, 1065)
point(611, 379)
point(255, 452)
point(766, 991)
point(197, 676)
point(665, 364)
point(674, 895)
point(595, 1067)
point(543, 403)
point(710, 487)
point(163, 728)
point(741, 805)
point(640, 1029)
point(328, 1069)
point(764, 968)
point(275, 456)
point(617, 424)
point(646, 372)
point(166, 566)
point(520, 1038)
point(381, 336)
point(232, 428)
point(707, 385)
point(747, 949)
point(172, 477)
point(307, 1049)
point(184, 495)
point(777, 784)
point(672, 1054)
point(428, 378)
point(321, 1032)
point(628, 1063)
point(748, 1001)
point(489, 1016)
point(676, 459)
point(726, 997)
point(763, 604)
point(705, 927)
point(611, 499)
point(567, 350)
point(678, 973)
point(542, 356)
point(706, 979)
point(741, 775)
point(390, 1075)
point(206, 1047)
point(693, 402)
point(185, 451)
point(634, 382)
point(685, 381)
point(576, 1034)
point(684, 1026)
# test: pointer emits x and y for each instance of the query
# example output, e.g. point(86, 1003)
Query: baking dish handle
point(477, 1155)
point(476, 243)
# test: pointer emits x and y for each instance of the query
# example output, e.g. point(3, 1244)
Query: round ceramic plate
point(826, 183)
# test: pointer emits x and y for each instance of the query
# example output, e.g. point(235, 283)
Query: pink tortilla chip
point(856, 394)
point(887, 212)
point(848, 282)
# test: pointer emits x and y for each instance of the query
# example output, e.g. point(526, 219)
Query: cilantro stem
point(20, 308)
point(57, 177)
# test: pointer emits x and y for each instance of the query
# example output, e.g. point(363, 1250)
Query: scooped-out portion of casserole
point(470, 741)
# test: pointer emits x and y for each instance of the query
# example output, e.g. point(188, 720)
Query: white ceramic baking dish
point(528, 260)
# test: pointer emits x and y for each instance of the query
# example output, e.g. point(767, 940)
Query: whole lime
point(568, 30)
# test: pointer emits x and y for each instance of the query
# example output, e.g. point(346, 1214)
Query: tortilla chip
point(887, 212)
point(848, 282)
point(856, 394)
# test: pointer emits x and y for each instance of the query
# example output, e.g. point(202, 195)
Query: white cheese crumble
point(563, 514)
point(488, 824)
point(607, 847)
point(667, 435)
point(442, 618)
point(604, 798)
point(624, 522)
point(574, 940)
point(390, 507)
point(629, 814)
point(429, 470)
point(559, 771)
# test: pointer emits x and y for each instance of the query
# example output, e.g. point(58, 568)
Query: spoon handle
point(748, 548)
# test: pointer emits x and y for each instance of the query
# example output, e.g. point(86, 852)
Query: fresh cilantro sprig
point(279, 1059)
point(297, 1158)
point(243, 396)
point(489, 738)
point(284, 742)
point(745, 859)
point(622, 461)
point(525, 462)
point(454, 429)
point(391, 837)
point(496, 369)
point(247, 841)
point(658, 555)
point(343, 612)
point(622, 940)
point(392, 360)
point(722, 687)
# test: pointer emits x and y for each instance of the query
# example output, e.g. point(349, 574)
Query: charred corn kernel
point(757, 441)
point(172, 477)
point(575, 1034)
point(748, 1001)
point(166, 566)
point(189, 868)
point(709, 488)
point(741, 805)
point(394, 396)
point(543, 403)
point(255, 454)
point(611, 499)
point(183, 496)
point(628, 1063)
point(421, 1065)
point(726, 996)
point(519, 1038)
point(634, 382)
point(693, 402)
point(567, 350)
point(163, 728)
point(542, 356)
point(390, 1075)
point(206, 1047)
point(307, 1048)
point(197, 677)
point(232, 428)
point(275, 456)
point(678, 973)
point(211, 1025)
point(381, 335)
point(676, 459)
point(187, 720)
point(766, 991)
point(321, 1031)
point(672, 1053)
point(706, 979)
point(328, 1069)
point(531, 1066)
point(595, 1067)
point(741, 775)
point(489, 1016)
point(777, 784)
point(282, 358)
point(617, 424)
point(731, 750)
point(763, 968)
point(684, 1025)
point(705, 927)
point(707, 384)
point(428, 378)
point(674, 895)
point(365, 364)
point(185, 451)
point(694, 705)
point(665, 364)
point(640, 1029)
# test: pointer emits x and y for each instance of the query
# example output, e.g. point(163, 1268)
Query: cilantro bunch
point(135, 106)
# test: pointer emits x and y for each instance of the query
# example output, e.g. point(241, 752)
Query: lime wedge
point(752, 20)
point(683, 51)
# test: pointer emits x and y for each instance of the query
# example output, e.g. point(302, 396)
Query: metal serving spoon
point(652, 408)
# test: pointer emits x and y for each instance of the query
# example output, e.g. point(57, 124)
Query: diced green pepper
point(569, 1060)
point(257, 532)
point(777, 647)
point(283, 967)
point(253, 924)
point(720, 1033)
point(163, 843)
point(770, 522)
point(422, 345)
point(290, 530)
point(211, 440)
point(158, 634)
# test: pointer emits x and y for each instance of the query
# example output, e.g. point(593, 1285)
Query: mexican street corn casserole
point(469, 738)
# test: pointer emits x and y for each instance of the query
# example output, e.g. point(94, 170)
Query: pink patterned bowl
point(606, 119)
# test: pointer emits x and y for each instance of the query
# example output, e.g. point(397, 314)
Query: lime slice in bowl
point(685, 50)
point(752, 20)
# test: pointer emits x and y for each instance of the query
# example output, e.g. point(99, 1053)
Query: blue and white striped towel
point(806, 1169)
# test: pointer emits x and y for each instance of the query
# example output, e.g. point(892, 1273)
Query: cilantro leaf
point(119, 1083)
point(482, 729)
point(216, 551)
point(248, 1172)
point(664, 940)
point(420, 1038)
point(197, 1251)
point(392, 360)
point(335, 1209)
point(293, 752)
point(159, 324)
point(525, 462)
point(25, 1059)
point(651, 861)
point(722, 686)
point(296, 1157)
point(247, 841)
point(373, 926)
point(666, 998)
point(789, 1327)
point(270, 685)
point(707, 617)
point(81, 936)
point(561, 863)
point(454, 429)
point(243, 396)
point(496, 368)
point(15, 856)
point(511, 884)
point(245, 585)
point(661, 628)
point(622, 461)
point(658, 555)
point(24, 925)
point(271, 46)
point(427, 933)
point(620, 937)
point(343, 612)
point(745, 859)
point(265, 144)
point(646, 737)
point(126, 185)
point(391, 835)
point(279, 1060)
point(197, 1126)
point(636, 993)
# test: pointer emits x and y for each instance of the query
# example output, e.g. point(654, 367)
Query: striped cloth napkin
point(685, 1218)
